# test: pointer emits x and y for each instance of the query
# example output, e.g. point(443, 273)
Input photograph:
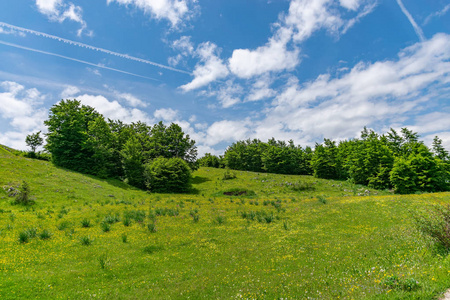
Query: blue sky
point(230, 70)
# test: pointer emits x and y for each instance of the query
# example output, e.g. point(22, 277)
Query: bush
point(435, 223)
point(23, 196)
point(168, 175)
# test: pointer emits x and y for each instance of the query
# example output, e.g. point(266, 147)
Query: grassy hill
point(290, 237)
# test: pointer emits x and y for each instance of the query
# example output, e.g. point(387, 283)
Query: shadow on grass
point(198, 180)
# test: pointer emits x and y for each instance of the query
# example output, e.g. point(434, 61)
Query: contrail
point(74, 59)
point(70, 42)
point(417, 29)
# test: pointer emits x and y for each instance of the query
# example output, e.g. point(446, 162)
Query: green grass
point(282, 242)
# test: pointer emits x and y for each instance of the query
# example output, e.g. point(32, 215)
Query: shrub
point(45, 234)
point(220, 220)
point(63, 225)
point(103, 260)
point(124, 238)
point(322, 199)
point(168, 175)
point(136, 215)
point(86, 223)
point(23, 195)
point(86, 240)
point(229, 174)
point(435, 223)
point(126, 222)
point(110, 219)
point(24, 237)
point(106, 227)
point(152, 227)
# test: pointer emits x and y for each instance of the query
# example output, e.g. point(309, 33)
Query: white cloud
point(131, 100)
point(307, 16)
point(379, 92)
point(21, 108)
point(350, 4)
point(69, 92)
point(114, 110)
point(274, 56)
point(227, 131)
point(166, 114)
point(210, 69)
point(174, 11)
point(185, 48)
point(59, 11)
point(261, 89)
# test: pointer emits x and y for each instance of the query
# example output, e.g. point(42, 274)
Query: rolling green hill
point(290, 237)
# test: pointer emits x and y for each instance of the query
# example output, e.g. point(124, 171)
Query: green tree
point(439, 150)
point(132, 161)
point(34, 140)
point(168, 175)
point(209, 160)
point(170, 141)
point(68, 134)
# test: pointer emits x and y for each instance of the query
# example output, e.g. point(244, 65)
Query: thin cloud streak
point(74, 59)
point(417, 29)
point(74, 43)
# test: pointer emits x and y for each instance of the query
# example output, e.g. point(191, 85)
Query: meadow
point(256, 236)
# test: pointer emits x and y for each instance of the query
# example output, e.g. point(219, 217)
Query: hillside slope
point(110, 240)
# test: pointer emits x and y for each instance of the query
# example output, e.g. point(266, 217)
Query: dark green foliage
point(24, 237)
point(273, 156)
point(326, 162)
point(68, 135)
point(322, 199)
point(152, 227)
point(406, 284)
point(435, 223)
point(171, 142)
point(132, 161)
point(238, 192)
point(86, 240)
point(45, 234)
point(136, 215)
point(85, 223)
point(105, 226)
point(420, 171)
point(168, 175)
point(229, 175)
point(34, 140)
point(23, 195)
point(209, 160)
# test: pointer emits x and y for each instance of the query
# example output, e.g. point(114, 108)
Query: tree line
point(398, 161)
point(159, 157)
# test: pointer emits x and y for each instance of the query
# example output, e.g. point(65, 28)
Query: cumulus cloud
point(21, 107)
point(210, 68)
point(175, 11)
point(166, 114)
point(184, 47)
point(227, 131)
point(69, 92)
point(261, 89)
point(113, 109)
point(59, 11)
point(368, 93)
point(131, 99)
point(274, 56)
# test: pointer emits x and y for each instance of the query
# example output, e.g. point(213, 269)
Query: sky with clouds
point(230, 70)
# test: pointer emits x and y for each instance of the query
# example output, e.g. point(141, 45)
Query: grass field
point(289, 237)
